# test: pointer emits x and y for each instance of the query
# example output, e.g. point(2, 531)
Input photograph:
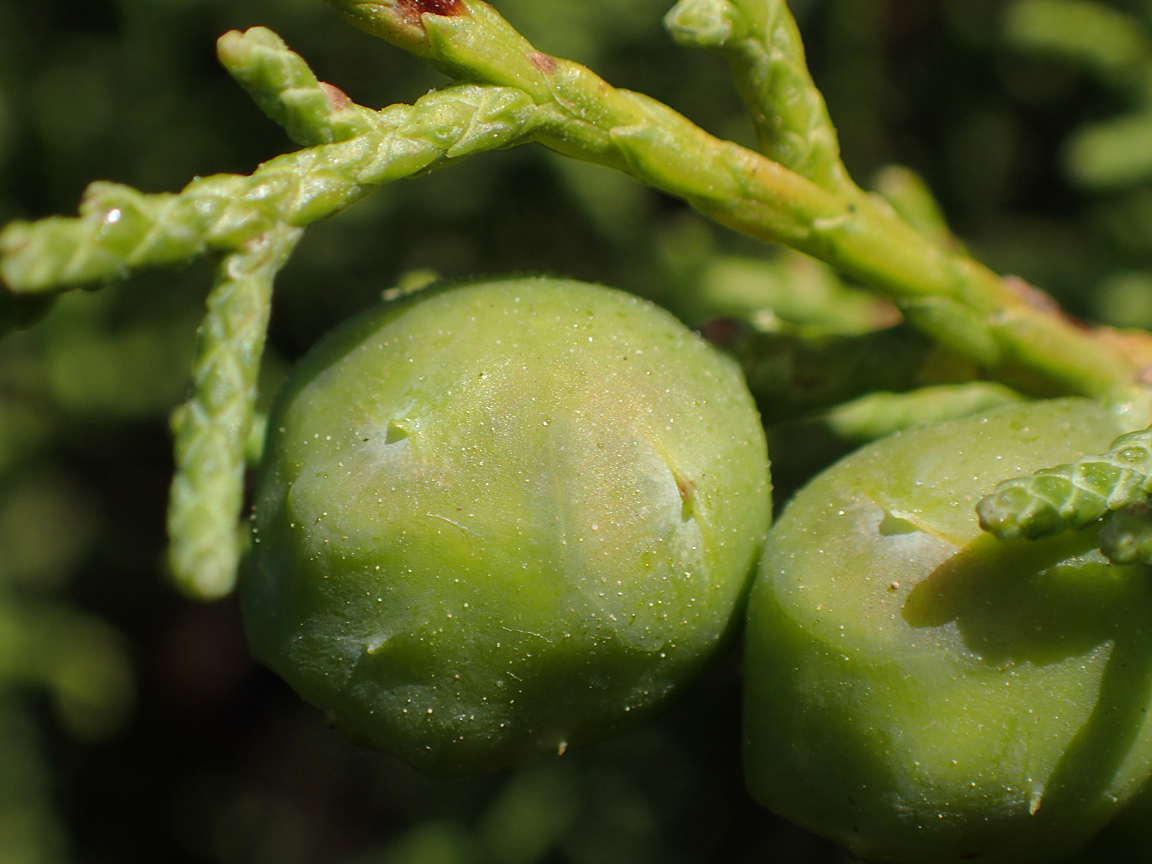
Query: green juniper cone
point(499, 520)
point(921, 691)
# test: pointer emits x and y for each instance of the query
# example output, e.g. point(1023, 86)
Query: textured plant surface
point(504, 519)
point(990, 697)
point(1027, 120)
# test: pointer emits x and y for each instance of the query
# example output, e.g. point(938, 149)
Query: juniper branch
point(1075, 495)
point(256, 221)
point(1127, 537)
point(281, 83)
point(1005, 326)
point(877, 415)
point(212, 429)
point(121, 230)
point(910, 197)
point(762, 44)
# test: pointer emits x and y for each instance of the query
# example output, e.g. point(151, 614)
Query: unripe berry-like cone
point(500, 520)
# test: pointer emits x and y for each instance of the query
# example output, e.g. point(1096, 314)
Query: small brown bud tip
point(1030, 294)
point(542, 62)
point(337, 98)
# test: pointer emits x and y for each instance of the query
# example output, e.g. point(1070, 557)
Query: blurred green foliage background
point(133, 726)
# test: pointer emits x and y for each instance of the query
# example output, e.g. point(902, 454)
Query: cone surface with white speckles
point(922, 692)
point(498, 520)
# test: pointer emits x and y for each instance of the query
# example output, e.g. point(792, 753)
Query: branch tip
point(337, 98)
point(226, 44)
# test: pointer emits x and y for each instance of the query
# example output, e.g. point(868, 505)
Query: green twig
point(803, 446)
point(280, 82)
point(780, 292)
point(762, 44)
point(212, 429)
point(525, 95)
point(508, 93)
point(1127, 537)
point(1071, 496)
point(877, 415)
point(121, 230)
point(1002, 324)
point(910, 197)
point(256, 221)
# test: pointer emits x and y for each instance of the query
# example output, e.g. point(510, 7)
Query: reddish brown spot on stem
point(337, 98)
point(413, 9)
point(1134, 345)
point(1030, 294)
point(1041, 301)
point(542, 61)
